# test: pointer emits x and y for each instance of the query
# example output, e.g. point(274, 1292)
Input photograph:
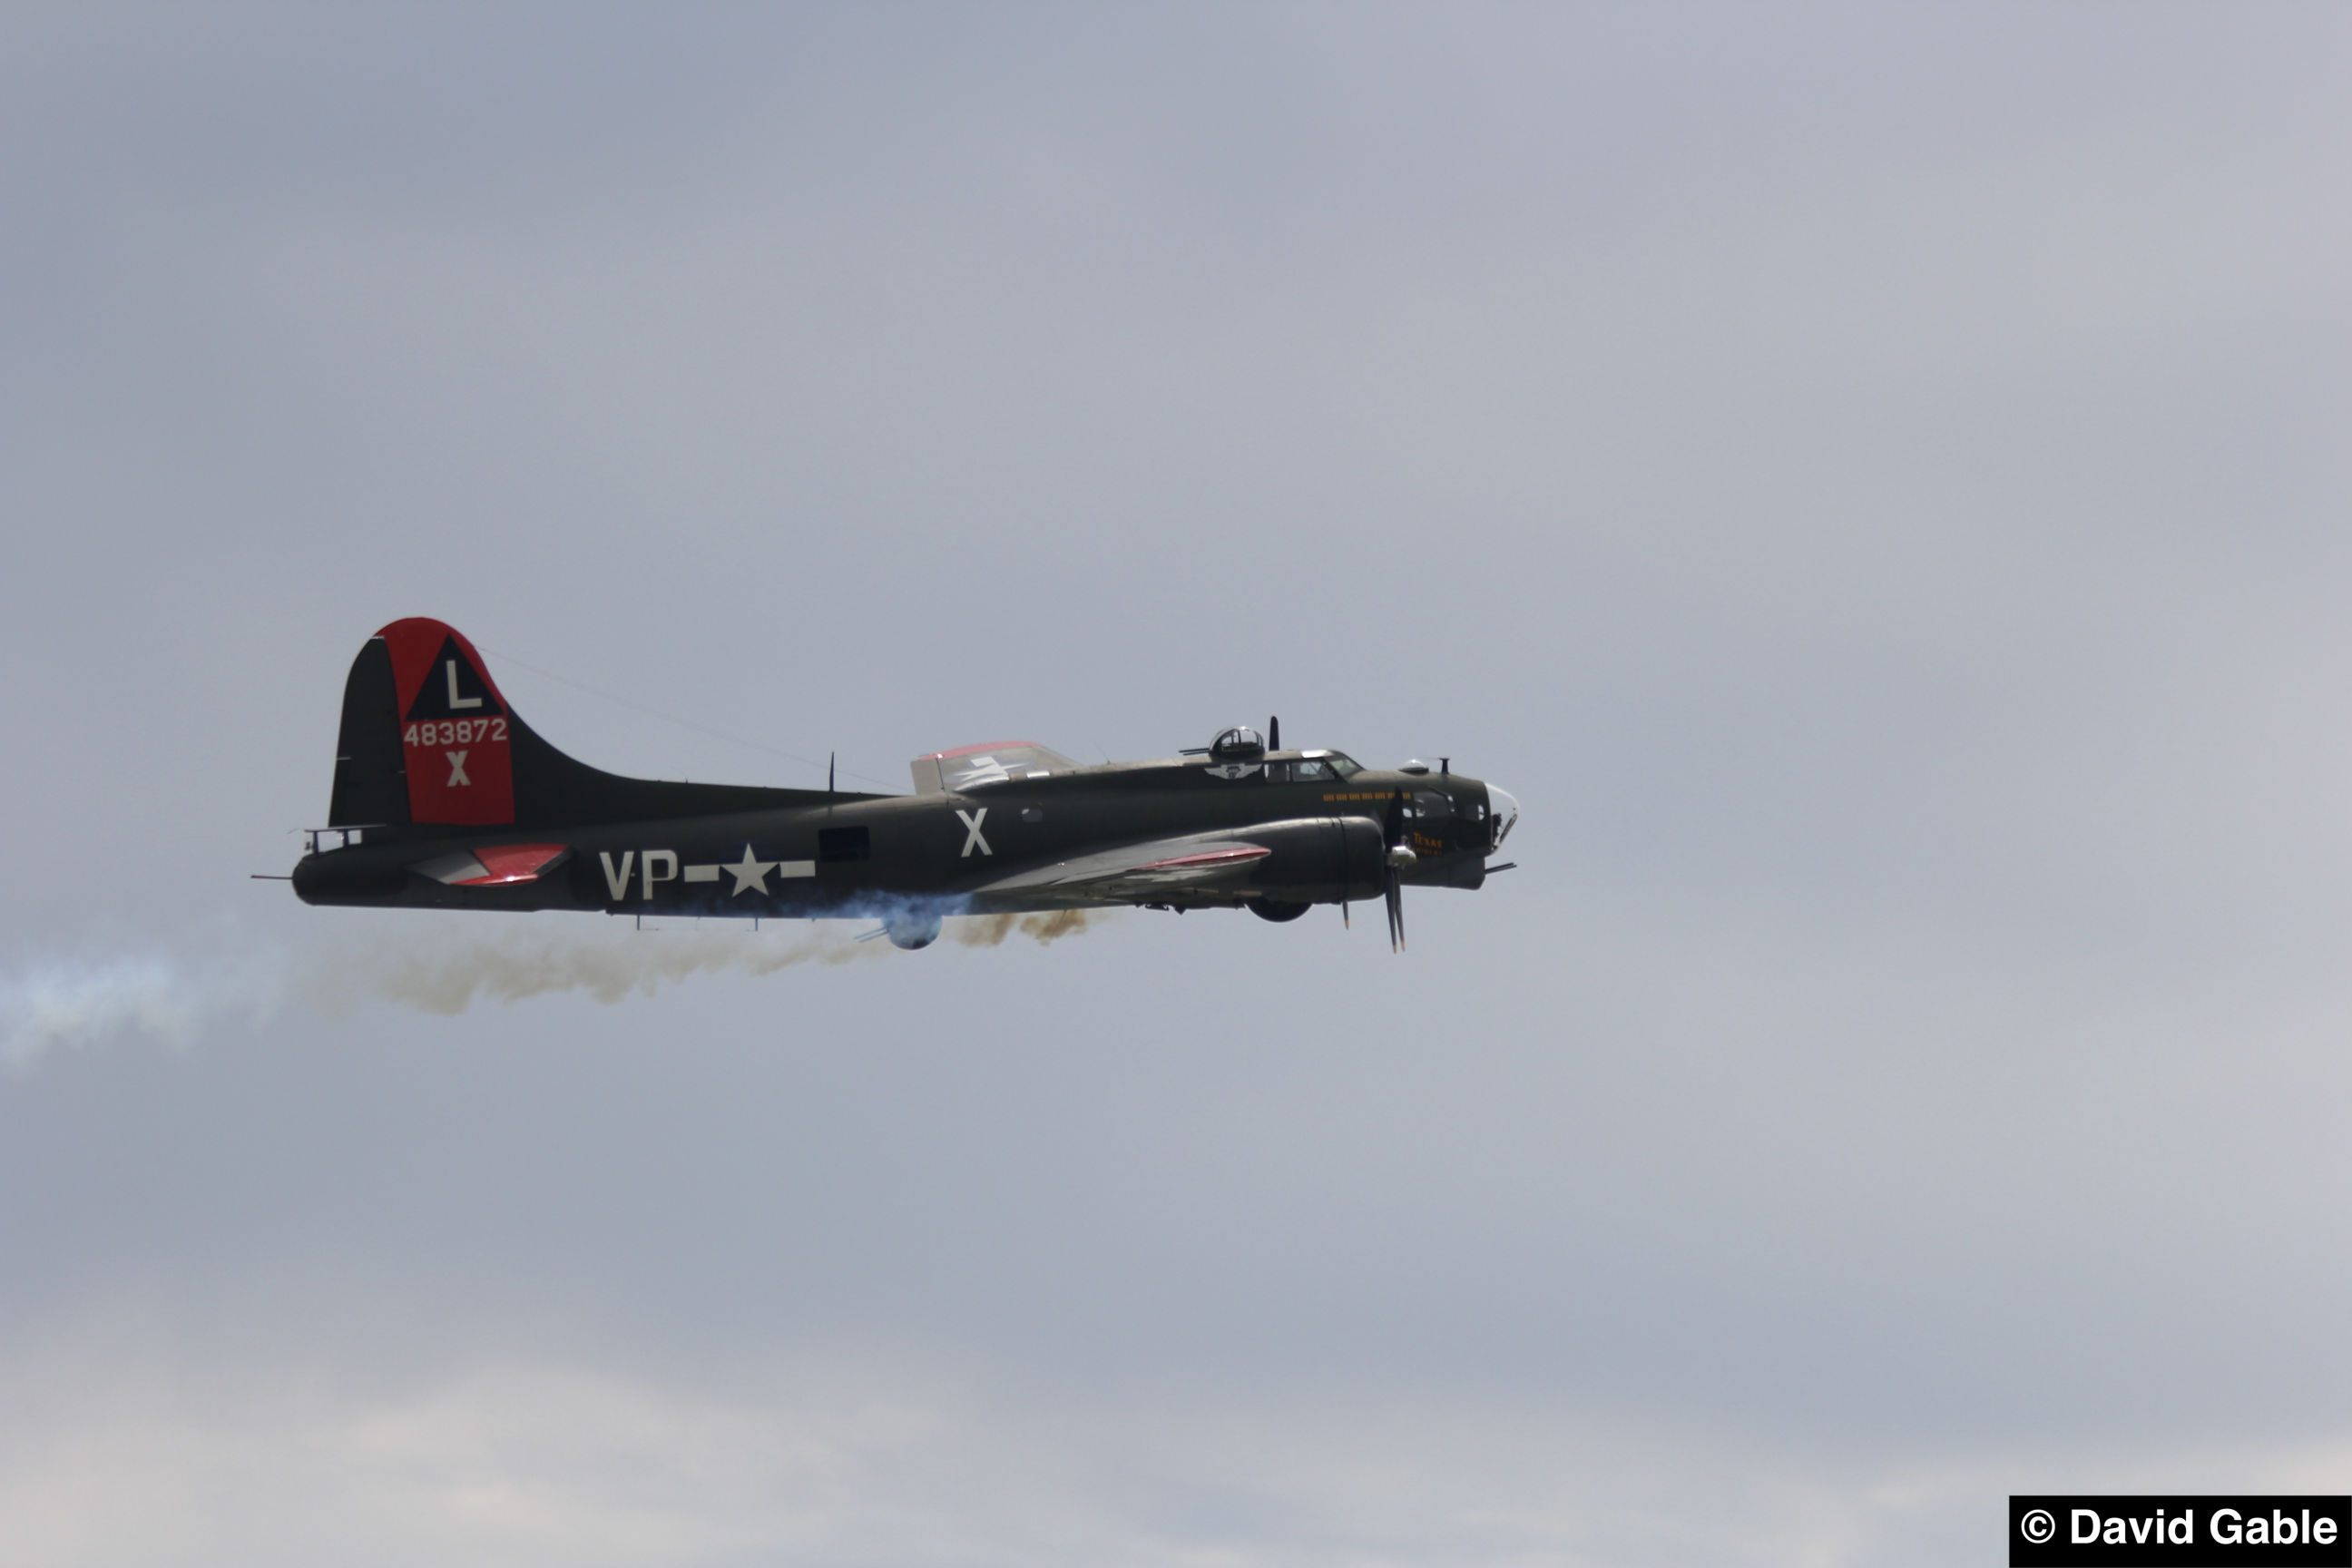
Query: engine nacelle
point(1320, 859)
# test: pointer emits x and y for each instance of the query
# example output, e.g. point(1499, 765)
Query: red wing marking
point(1209, 858)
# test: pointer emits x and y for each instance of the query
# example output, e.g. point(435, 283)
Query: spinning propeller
point(1399, 856)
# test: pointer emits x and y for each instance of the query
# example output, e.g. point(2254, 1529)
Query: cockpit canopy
point(1311, 767)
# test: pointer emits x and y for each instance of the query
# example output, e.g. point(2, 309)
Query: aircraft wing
point(1175, 869)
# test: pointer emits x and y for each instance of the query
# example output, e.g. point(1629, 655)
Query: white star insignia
point(749, 873)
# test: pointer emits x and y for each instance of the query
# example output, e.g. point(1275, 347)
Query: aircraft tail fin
point(428, 740)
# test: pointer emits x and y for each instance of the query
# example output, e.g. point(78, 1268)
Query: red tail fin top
point(454, 726)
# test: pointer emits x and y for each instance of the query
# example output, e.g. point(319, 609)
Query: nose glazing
point(1502, 815)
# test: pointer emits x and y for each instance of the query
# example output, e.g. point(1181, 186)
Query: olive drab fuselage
point(444, 798)
point(839, 856)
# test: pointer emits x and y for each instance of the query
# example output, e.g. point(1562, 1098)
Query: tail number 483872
point(454, 731)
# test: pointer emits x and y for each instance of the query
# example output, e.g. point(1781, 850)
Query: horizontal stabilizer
point(495, 864)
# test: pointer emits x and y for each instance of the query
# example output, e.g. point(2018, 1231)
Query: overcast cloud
point(1871, 481)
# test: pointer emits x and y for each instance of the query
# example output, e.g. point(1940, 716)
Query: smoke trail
point(446, 975)
point(223, 973)
point(166, 992)
point(988, 930)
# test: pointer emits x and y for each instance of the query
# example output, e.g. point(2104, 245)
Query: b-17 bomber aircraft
point(444, 798)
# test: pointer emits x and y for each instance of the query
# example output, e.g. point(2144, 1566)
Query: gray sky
point(1870, 480)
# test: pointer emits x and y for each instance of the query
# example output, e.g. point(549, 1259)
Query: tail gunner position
point(446, 799)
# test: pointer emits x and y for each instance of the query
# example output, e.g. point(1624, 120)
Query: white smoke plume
point(223, 975)
point(165, 991)
point(448, 973)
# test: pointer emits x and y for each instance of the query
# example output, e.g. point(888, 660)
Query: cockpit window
point(1343, 764)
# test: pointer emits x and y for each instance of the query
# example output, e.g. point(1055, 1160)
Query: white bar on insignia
point(702, 873)
point(795, 868)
